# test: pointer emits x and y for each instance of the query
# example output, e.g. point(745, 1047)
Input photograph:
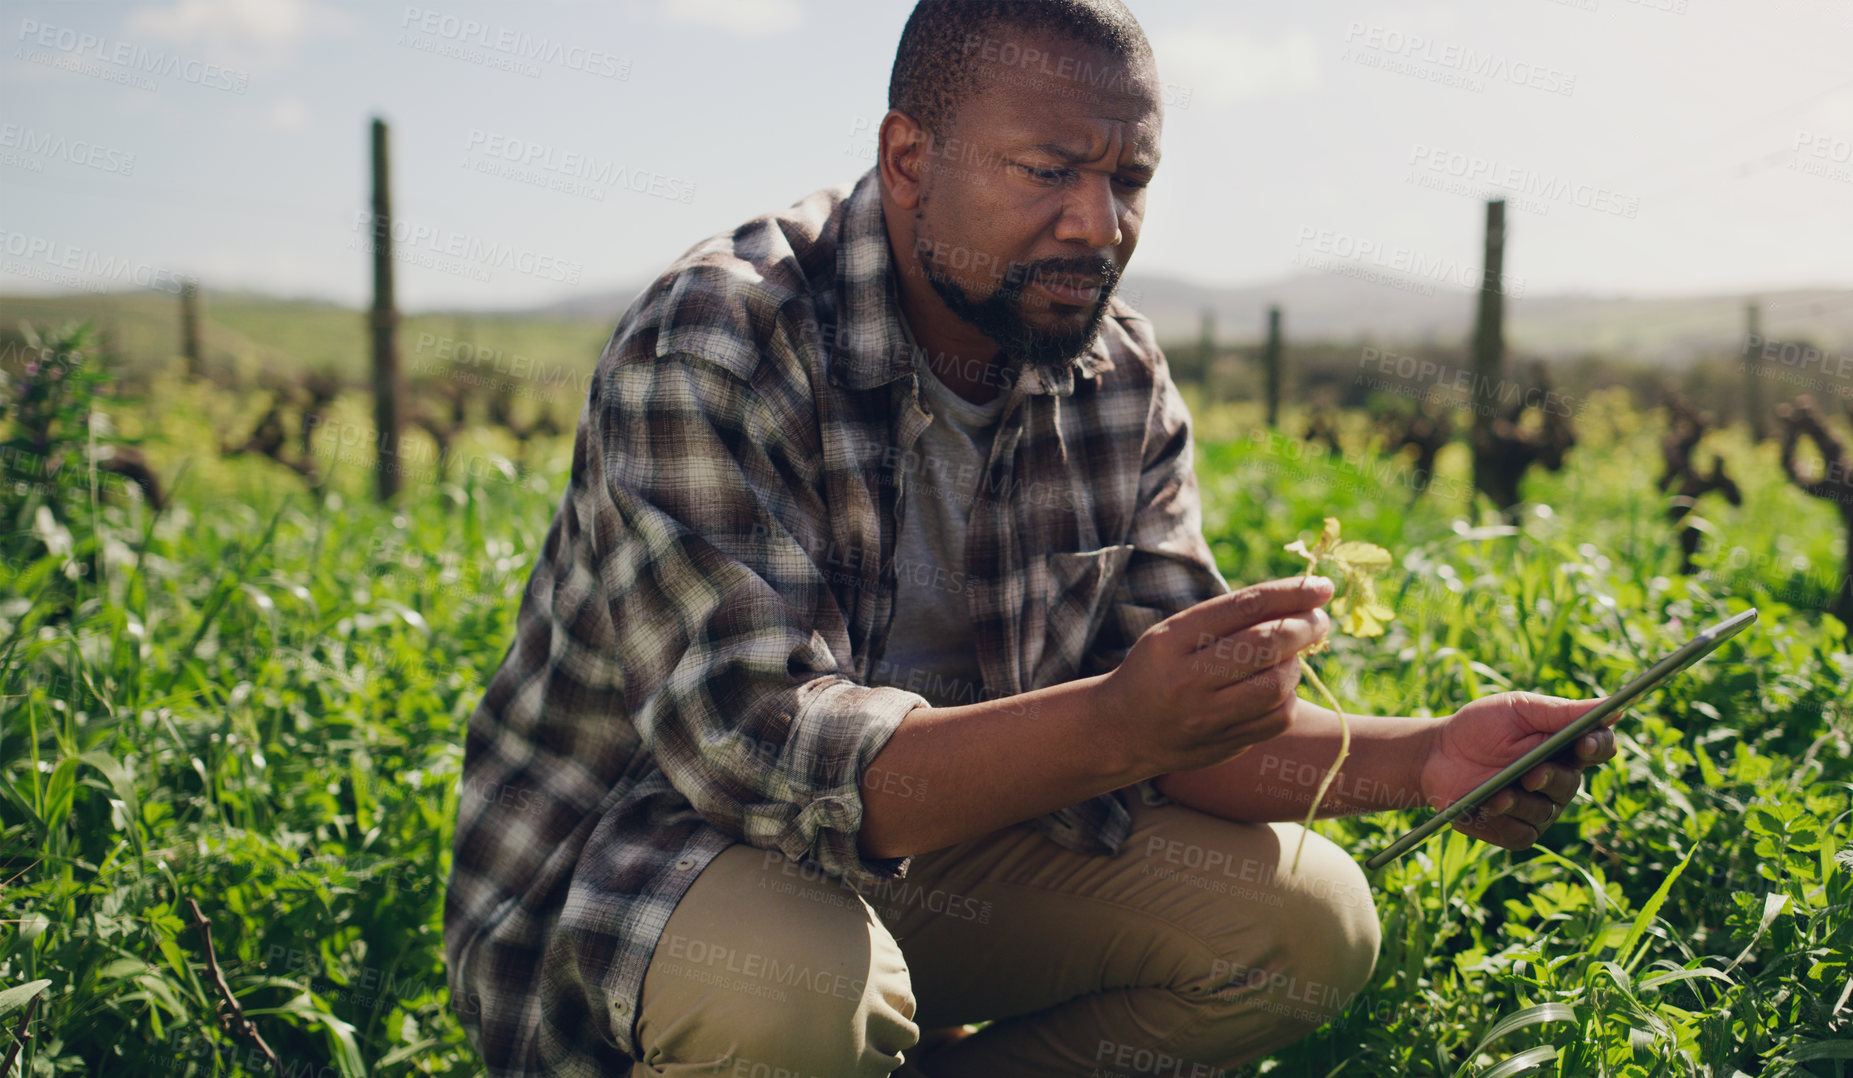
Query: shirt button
point(685, 864)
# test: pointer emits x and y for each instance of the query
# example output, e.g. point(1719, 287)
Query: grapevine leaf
point(1357, 557)
point(1360, 613)
point(1367, 620)
point(1298, 546)
point(1328, 539)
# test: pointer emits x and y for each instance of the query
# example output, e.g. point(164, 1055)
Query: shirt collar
point(873, 346)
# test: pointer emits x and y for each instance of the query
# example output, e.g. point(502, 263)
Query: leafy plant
point(260, 705)
point(1361, 613)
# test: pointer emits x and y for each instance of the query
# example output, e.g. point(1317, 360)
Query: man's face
point(1031, 203)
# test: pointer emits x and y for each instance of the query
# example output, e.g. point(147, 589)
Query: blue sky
point(555, 147)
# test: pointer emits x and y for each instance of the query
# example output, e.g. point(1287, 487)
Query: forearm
point(1276, 780)
point(949, 774)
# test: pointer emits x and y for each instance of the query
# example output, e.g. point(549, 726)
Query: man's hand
point(1486, 735)
point(1211, 680)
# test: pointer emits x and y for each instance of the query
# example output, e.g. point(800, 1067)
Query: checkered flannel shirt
point(691, 660)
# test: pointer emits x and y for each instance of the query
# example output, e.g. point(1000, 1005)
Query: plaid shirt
point(692, 658)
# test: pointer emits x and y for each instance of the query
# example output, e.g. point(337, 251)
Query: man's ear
point(901, 157)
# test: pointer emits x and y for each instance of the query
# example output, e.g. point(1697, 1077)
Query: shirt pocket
point(1081, 586)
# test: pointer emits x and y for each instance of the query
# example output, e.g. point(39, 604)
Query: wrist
point(1424, 743)
point(1103, 723)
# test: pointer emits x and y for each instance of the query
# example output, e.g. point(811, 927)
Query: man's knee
point(1327, 937)
point(791, 973)
point(1332, 899)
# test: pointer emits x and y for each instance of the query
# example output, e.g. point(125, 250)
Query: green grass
point(256, 700)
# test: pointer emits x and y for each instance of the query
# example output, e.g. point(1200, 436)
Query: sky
point(556, 148)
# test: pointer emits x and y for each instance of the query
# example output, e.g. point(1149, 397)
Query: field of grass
point(255, 699)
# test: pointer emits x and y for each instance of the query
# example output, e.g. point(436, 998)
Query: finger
point(1596, 746)
point(1534, 809)
point(1226, 615)
point(1267, 644)
point(1554, 781)
point(1498, 827)
point(1273, 685)
point(1502, 831)
point(1592, 748)
point(1549, 714)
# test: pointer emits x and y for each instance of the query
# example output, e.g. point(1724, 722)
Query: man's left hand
point(1486, 735)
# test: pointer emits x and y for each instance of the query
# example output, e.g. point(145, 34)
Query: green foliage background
point(255, 699)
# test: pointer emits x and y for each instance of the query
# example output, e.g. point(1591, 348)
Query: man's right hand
point(1211, 680)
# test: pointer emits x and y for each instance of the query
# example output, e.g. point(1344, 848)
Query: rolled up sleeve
point(732, 647)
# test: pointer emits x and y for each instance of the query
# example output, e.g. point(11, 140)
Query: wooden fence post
point(1270, 365)
point(384, 322)
point(1489, 341)
point(1206, 346)
point(189, 329)
point(1753, 382)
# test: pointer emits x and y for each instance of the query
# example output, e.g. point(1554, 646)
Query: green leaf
point(1530, 1016)
point(120, 782)
point(1822, 1050)
point(1671, 976)
point(408, 1051)
point(60, 789)
point(1648, 912)
point(1772, 905)
point(1362, 557)
point(14, 998)
point(1529, 1059)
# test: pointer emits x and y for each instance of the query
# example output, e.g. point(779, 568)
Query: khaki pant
point(1190, 951)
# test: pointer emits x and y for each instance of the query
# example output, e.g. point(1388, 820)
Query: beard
point(1001, 316)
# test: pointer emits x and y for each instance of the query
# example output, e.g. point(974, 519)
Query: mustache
point(1023, 274)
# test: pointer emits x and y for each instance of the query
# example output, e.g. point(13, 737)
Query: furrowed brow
point(1145, 165)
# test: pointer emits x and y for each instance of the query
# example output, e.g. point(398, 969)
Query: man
point(875, 674)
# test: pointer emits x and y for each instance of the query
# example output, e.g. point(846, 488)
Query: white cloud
point(1224, 68)
point(243, 29)
point(287, 114)
point(747, 18)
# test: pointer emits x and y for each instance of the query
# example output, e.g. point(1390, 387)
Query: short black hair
point(936, 65)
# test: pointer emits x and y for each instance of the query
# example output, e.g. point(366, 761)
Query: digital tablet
point(1688, 653)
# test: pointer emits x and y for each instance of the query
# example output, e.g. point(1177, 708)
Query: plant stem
point(1344, 750)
